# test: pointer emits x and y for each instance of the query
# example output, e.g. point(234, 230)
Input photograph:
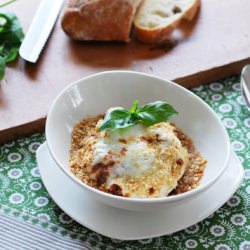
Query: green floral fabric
point(22, 194)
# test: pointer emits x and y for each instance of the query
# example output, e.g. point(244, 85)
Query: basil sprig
point(148, 115)
point(11, 36)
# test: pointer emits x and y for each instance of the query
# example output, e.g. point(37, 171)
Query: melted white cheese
point(138, 156)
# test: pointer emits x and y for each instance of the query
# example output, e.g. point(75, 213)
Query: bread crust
point(159, 35)
point(103, 20)
point(191, 12)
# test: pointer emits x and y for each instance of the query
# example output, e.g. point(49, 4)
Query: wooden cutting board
point(216, 44)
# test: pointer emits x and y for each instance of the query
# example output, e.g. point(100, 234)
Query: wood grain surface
point(216, 44)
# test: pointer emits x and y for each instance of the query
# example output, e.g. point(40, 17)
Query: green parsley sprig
point(11, 36)
point(148, 115)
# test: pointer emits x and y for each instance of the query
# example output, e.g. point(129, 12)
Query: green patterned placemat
point(23, 196)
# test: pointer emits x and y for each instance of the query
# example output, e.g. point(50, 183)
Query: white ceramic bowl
point(94, 94)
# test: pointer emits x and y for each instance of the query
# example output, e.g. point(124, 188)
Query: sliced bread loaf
point(103, 20)
point(156, 19)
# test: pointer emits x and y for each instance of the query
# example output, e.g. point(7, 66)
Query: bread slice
point(156, 19)
point(103, 20)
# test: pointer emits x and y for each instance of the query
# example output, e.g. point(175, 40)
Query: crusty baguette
point(156, 19)
point(103, 20)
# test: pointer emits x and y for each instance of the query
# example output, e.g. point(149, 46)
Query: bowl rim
point(130, 199)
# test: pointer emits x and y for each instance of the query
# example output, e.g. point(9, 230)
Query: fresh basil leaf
point(11, 36)
point(120, 118)
point(155, 112)
point(2, 68)
point(12, 55)
point(134, 107)
point(148, 115)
